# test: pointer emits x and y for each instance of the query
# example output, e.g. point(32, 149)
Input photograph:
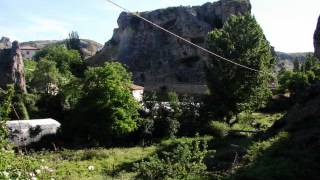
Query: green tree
point(74, 43)
point(296, 65)
point(311, 62)
point(107, 108)
point(233, 88)
point(29, 68)
point(67, 61)
point(5, 110)
point(45, 76)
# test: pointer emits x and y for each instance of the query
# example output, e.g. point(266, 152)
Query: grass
point(107, 163)
point(118, 163)
point(256, 121)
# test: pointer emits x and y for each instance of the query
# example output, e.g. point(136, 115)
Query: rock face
point(5, 43)
point(12, 67)
point(159, 60)
point(89, 47)
point(286, 60)
point(317, 40)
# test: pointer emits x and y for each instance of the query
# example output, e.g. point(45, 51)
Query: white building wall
point(28, 54)
point(138, 95)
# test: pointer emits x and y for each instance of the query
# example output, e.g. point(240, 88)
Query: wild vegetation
point(235, 132)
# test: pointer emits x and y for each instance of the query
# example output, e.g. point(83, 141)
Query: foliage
point(46, 76)
point(184, 161)
point(74, 43)
point(113, 163)
point(189, 117)
point(6, 102)
point(68, 62)
point(29, 68)
point(218, 129)
point(107, 108)
point(295, 82)
point(14, 166)
point(233, 88)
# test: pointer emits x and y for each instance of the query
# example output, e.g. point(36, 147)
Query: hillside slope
point(89, 47)
point(290, 148)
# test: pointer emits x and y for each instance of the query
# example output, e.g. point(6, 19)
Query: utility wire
point(183, 39)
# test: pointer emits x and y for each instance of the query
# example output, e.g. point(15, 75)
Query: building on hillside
point(28, 52)
point(137, 92)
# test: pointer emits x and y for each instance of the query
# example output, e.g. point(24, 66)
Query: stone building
point(28, 52)
point(137, 92)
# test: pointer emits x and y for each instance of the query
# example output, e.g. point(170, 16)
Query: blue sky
point(288, 24)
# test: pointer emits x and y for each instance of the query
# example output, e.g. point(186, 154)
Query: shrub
point(218, 129)
point(184, 161)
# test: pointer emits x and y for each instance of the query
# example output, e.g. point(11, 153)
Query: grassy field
point(118, 163)
point(93, 163)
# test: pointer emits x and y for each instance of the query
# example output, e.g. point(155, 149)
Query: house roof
point(136, 87)
point(28, 48)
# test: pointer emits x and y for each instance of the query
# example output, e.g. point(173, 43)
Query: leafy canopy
point(107, 107)
point(234, 89)
point(68, 61)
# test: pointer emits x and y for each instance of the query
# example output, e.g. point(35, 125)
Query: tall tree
point(74, 43)
point(296, 65)
point(45, 76)
point(234, 89)
point(107, 108)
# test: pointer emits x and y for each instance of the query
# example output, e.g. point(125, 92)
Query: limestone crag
point(159, 60)
point(88, 47)
point(5, 43)
point(12, 67)
point(317, 40)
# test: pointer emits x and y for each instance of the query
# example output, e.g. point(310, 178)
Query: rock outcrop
point(5, 43)
point(88, 47)
point(12, 67)
point(159, 60)
point(317, 40)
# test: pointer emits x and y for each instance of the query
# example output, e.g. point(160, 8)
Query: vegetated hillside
point(291, 147)
point(285, 60)
point(160, 61)
point(89, 47)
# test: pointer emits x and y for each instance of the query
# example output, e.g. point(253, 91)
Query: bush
point(218, 129)
point(184, 161)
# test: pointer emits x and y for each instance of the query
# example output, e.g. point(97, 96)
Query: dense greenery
point(302, 76)
point(68, 62)
point(235, 89)
point(183, 161)
point(107, 108)
point(74, 42)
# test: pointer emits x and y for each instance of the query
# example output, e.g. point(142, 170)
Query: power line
point(183, 39)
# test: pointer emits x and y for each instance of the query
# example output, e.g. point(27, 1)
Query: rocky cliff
point(89, 47)
point(12, 67)
point(159, 60)
point(5, 43)
point(317, 40)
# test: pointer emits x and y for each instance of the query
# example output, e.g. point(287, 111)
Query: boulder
point(159, 60)
point(317, 40)
point(12, 67)
point(25, 132)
